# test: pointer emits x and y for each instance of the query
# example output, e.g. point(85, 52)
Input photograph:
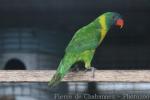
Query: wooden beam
point(100, 76)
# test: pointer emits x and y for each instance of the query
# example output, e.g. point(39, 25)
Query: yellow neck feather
point(103, 30)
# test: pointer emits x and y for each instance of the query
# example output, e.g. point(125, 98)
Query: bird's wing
point(84, 39)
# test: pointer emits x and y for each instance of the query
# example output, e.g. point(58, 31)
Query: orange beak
point(120, 23)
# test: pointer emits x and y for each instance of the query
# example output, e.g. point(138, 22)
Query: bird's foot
point(75, 69)
point(92, 69)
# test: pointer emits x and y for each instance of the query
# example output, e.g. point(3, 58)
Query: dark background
point(128, 48)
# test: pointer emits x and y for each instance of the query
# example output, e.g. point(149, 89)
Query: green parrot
point(84, 43)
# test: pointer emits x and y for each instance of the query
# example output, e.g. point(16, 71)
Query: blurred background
point(34, 34)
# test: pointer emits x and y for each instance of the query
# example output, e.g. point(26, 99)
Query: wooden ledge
point(100, 76)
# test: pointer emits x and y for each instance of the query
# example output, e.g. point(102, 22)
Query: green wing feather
point(87, 38)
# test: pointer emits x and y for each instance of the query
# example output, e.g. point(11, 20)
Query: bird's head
point(112, 18)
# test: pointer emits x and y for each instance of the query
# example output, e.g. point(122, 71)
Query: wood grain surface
point(100, 76)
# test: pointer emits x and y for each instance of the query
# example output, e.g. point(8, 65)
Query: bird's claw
point(75, 69)
point(92, 69)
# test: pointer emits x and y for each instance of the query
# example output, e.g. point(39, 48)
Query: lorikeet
point(84, 43)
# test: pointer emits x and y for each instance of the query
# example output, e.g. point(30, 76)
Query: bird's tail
point(62, 70)
point(55, 80)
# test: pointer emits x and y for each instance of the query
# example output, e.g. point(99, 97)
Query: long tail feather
point(55, 80)
point(63, 69)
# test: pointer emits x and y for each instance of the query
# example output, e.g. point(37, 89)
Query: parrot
point(84, 43)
